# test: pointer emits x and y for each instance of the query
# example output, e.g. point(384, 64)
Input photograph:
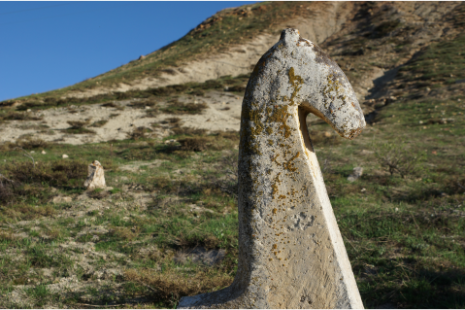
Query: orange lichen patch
point(275, 246)
point(275, 211)
point(296, 81)
point(269, 130)
point(275, 190)
point(353, 133)
point(275, 185)
point(280, 116)
point(253, 116)
point(281, 197)
point(274, 159)
point(290, 165)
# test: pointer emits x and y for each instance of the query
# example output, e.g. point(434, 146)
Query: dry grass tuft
point(138, 133)
point(78, 127)
point(99, 123)
point(19, 116)
point(177, 107)
point(6, 236)
point(98, 193)
point(171, 284)
point(29, 142)
point(26, 182)
point(78, 124)
point(144, 103)
point(179, 131)
point(193, 144)
point(175, 121)
point(124, 233)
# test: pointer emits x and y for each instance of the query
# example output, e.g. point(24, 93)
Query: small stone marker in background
point(64, 156)
point(95, 178)
point(356, 174)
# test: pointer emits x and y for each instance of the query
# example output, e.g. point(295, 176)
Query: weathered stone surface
point(291, 252)
point(95, 176)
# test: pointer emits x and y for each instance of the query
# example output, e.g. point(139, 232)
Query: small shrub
point(237, 88)
point(151, 113)
point(29, 143)
point(77, 127)
point(124, 233)
point(99, 123)
point(230, 135)
point(142, 104)
point(177, 107)
point(98, 193)
point(19, 116)
point(394, 158)
point(138, 133)
point(78, 124)
point(110, 105)
point(179, 131)
point(193, 144)
point(197, 92)
point(172, 121)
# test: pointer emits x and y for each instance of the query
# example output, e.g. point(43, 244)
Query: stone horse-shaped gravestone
point(291, 252)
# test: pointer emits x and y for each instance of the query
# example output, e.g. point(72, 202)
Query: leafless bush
point(394, 158)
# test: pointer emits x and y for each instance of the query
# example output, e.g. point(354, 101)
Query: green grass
point(403, 235)
point(438, 65)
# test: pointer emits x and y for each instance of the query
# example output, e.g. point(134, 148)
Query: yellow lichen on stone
point(280, 116)
point(296, 82)
point(290, 165)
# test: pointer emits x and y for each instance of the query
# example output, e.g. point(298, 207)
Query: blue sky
point(49, 45)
